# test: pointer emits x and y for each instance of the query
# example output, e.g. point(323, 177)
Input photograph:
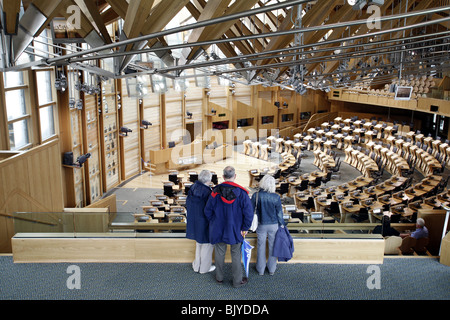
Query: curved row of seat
point(371, 147)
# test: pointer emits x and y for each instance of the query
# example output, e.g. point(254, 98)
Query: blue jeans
point(266, 231)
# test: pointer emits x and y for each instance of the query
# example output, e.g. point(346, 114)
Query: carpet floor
point(395, 279)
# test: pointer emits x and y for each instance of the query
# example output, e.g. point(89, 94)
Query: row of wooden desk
point(377, 200)
point(288, 160)
point(163, 209)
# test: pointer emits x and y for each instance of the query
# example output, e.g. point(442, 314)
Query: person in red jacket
point(230, 214)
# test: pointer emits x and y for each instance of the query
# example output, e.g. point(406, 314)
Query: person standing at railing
point(197, 226)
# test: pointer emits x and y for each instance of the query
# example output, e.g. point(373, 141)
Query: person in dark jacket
point(270, 217)
point(197, 226)
point(229, 212)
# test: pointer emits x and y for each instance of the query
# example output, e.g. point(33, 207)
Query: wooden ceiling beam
point(314, 16)
point(119, 6)
point(137, 13)
point(212, 9)
point(11, 9)
point(109, 16)
point(91, 6)
point(161, 14)
point(216, 31)
point(226, 47)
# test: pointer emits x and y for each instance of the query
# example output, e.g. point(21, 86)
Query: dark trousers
point(220, 249)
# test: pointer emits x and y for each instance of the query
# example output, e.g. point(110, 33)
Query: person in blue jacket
point(197, 226)
point(270, 217)
point(229, 212)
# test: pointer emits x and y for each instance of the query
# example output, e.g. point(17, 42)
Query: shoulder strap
point(256, 202)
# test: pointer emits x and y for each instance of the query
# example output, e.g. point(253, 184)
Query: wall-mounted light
point(277, 104)
point(145, 124)
point(213, 111)
point(285, 104)
point(82, 159)
point(189, 114)
point(124, 131)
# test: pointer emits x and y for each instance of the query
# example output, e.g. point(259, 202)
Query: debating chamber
point(110, 110)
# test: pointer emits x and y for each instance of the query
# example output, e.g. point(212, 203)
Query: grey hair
point(420, 222)
point(205, 176)
point(267, 183)
point(229, 172)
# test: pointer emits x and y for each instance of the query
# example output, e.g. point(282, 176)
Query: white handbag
point(254, 225)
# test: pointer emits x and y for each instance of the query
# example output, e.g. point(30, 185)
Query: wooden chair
point(410, 245)
point(391, 244)
point(420, 246)
point(407, 245)
point(247, 147)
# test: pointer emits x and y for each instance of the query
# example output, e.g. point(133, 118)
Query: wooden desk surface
point(406, 212)
point(415, 192)
point(353, 209)
point(374, 205)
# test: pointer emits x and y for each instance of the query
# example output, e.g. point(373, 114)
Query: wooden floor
point(242, 163)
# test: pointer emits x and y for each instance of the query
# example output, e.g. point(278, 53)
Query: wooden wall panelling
point(32, 182)
point(71, 140)
point(245, 113)
point(130, 145)
point(265, 98)
point(151, 113)
point(194, 104)
point(92, 146)
point(245, 121)
point(288, 117)
point(109, 133)
point(218, 93)
point(216, 97)
point(243, 93)
point(77, 149)
point(222, 122)
point(174, 116)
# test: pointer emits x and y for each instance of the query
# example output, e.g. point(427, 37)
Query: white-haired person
point(197, 226)
point(420, 232)
point(270, 217)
